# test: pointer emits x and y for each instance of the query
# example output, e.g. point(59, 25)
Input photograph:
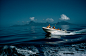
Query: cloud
point(64, 17)
point(49, 20)
point(32, 18)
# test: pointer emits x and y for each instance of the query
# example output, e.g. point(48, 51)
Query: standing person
point(49, 26)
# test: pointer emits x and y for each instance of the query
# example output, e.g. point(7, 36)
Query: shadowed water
point(32, 40)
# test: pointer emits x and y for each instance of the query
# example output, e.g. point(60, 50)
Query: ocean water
point(33, 41)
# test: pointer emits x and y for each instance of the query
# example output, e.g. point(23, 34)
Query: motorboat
point(51, 30)
point(56, 31)
point(62, 32)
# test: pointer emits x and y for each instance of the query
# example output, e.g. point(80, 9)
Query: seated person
point(48, 26)
point(58, 29)
point(53, 27)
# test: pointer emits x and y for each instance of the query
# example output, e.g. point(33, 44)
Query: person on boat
point(53, 27)
point(58, 29)
point(48, 26)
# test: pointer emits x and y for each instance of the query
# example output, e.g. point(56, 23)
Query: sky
point(23, 11)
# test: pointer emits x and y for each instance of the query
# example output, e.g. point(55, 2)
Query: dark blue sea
point(33, 41)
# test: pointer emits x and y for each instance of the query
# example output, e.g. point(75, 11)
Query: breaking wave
point(18, 51)
point(44, 50)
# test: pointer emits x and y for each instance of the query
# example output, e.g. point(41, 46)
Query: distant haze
point(23, 11)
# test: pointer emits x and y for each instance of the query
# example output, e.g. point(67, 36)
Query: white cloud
point(49, 20)
point(32, 18)
point(64, 17)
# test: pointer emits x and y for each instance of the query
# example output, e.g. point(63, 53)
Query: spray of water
point(83, 31)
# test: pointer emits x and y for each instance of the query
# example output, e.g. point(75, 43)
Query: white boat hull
point(51, 30)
